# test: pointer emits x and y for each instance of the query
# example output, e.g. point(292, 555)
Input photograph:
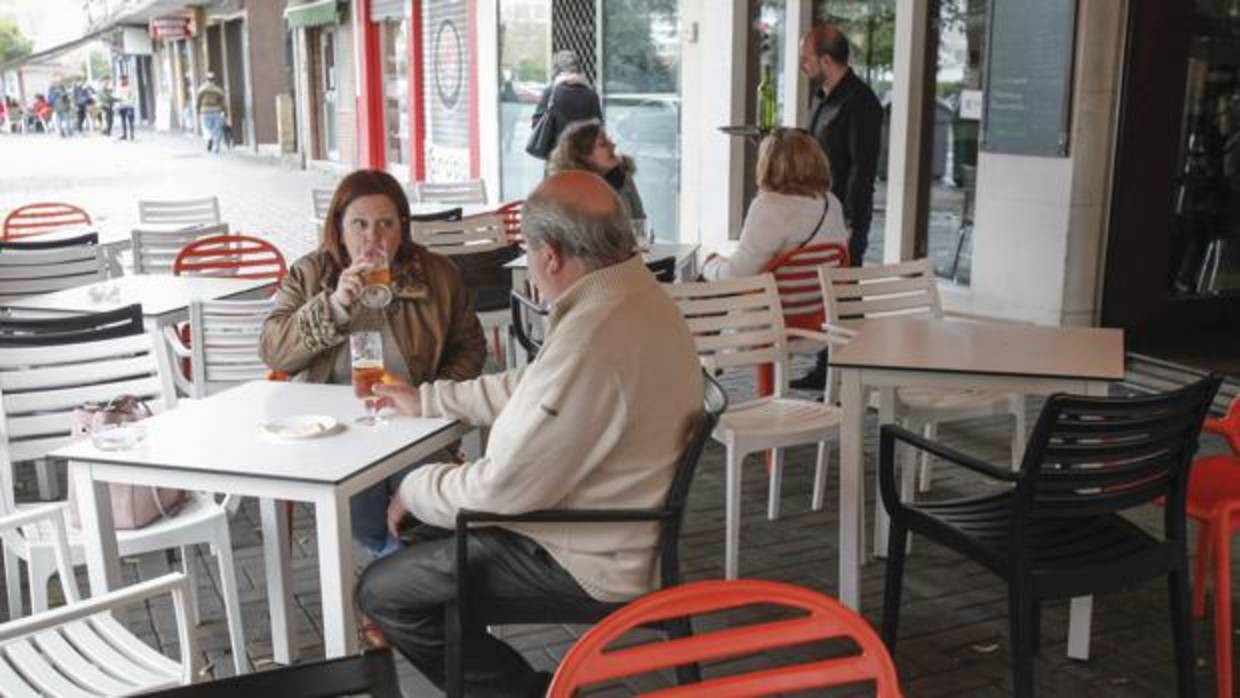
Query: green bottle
point(768, 109)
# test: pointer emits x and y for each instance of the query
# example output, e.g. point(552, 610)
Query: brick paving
point(954, 618)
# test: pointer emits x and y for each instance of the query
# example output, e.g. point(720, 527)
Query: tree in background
point(13, 44)
point(634, 61)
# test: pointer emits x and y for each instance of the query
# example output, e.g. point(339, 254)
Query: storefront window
point(1207, 193)
point(394, 37)
point(524, 65)
point(641, 100)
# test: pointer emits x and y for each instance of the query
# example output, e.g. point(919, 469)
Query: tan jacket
point(432, 319)
point(598, 420)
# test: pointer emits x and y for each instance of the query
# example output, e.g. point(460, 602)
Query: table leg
point(98, 531)
point(850, 488)
point(278, 565)
point(882, 522)
point(336, 575)
point(1081, 614)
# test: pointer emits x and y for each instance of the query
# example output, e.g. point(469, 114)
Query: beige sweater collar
point(609, 283)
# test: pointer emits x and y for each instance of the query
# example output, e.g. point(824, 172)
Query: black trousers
point(107, 121)
point(126, 122)
point(405, 593)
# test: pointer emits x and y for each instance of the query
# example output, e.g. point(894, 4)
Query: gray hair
point(597, 238)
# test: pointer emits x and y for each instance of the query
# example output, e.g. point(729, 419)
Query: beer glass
point(377, 280)
point(366, 348)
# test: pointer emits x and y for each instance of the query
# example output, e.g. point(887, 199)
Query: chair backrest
point(593, 660)
point(320, 202)
point(225, 343)
point(1094, 455)
point(469, 235)
point(735, 323)
point(155, 250)
point(1228, 426)
point(854, 293)
point(520, 304)
point(371, 673)
point(473, 191)
point(664, 269)
point(27, 245)
point(510, 213)
point(205, 211)
point(73, 329)
point(233, 256)
point(796, 278)
point(31, 272)
point(40, 385)
point(447, 214)
point(43, 217)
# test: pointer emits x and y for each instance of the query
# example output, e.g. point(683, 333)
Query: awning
point(54, 51)
point(312, 14)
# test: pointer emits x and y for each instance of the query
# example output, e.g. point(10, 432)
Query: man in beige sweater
point(598, 420)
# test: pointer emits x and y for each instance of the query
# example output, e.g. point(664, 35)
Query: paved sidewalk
point(107, 177)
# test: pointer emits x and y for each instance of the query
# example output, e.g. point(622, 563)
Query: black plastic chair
point(90, 327)
point(482, 612)
point(371, 673)
point(85, 239)
point(520, 327)
point(664, 269)
point(448, 214)
point(1057, 531)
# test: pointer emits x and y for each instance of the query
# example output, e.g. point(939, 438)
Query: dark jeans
point(126, 122)
point(107, 121)
point(405, 594)
point(81, 117)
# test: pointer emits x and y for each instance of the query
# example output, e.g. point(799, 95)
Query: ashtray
point(118, 437)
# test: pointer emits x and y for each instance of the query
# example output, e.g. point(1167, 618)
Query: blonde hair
point(790, 161)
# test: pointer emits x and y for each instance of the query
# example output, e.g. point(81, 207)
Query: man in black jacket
point(846, 118)
point(568, 98)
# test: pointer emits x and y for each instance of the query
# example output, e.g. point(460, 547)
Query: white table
point(890, 353)
point(216, 445)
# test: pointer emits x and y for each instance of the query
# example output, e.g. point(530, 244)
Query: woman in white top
point(794, 206)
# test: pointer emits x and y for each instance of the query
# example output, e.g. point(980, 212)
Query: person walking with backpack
point(209, 103)
point(570, 97)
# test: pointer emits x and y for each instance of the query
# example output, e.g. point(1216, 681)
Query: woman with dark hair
point(429, 329)
point(584, 145)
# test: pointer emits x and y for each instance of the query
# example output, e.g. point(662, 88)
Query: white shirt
point(777, 223)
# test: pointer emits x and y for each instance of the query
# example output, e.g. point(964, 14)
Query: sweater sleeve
point(477, 402)
point(300, 326)
point(761, 239)
point(567, 423)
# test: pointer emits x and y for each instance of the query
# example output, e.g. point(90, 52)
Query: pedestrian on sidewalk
point(570, 97)
point(209, 104)
point(82, 98)
point(63, 106)
point(124, 107)
point(107, 101)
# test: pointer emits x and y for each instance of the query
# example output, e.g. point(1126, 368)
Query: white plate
point(301, 427)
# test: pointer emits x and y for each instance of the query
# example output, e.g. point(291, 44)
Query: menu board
point(1029, 57)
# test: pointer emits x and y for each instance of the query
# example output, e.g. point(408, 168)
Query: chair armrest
point(828, 337)
point(465, 517)
point(174, 343)
point(52, 512)
point(890, 433)
point(174, 582)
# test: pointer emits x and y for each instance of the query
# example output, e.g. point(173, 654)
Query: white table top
point(430, 208)
point(922, 344)
point(159, 294)
point(222, 434)
point(656, 251)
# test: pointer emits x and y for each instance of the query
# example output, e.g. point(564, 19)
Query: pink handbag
point(133, 506)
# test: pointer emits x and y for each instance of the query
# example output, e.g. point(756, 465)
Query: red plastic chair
point(592, 660)
point(800, 293)
point(1214, 502)
point(232, 256)
point(510, 214)
point(37, 219)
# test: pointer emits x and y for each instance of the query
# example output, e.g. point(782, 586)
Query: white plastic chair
point(179, 214)
point(471, 235)
point(31, 272)
point(739, 323)
point(320, 203)
point(155, 250)
point(80, 649)
point(224, 352)
point(910, 289)
point(472, 191)
point(39, 387)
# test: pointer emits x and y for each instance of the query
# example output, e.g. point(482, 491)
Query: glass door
point(394, 38)
point(327, 78)
point(524, 71)
point(641, 100)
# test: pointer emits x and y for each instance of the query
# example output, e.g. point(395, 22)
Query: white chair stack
point(31, 272)
point(179, 214)
point(738, 324)
point(154, 251)
point(473, 191)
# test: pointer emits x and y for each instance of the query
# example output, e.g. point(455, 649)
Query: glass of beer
point(377, 280)
point(367, 353)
